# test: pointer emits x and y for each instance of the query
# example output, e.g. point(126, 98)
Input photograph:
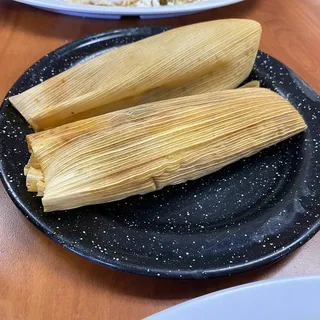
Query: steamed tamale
point(145, 148)
point(184, 61)
point(251, 84)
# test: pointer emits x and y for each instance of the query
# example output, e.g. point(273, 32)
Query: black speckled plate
point(245, 216)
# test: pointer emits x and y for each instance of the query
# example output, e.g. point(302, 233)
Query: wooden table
point(39, 279)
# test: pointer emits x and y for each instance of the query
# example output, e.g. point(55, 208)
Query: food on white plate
point(145, 148)
point(133, 3)
point(195, 59)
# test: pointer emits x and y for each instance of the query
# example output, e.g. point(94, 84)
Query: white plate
point(284, 299)
point(103, 12)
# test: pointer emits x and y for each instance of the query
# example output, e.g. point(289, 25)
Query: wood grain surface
point(39, 279)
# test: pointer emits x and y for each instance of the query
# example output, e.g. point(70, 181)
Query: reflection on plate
point(293, 298)
point(245, 216)
point(103, 12)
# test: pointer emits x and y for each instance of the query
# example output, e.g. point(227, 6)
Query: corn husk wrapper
point(184, 61)
point(145, 148)
point(35, 174)
point(251, 84)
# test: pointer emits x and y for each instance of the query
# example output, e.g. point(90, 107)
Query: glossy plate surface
point(245, 216)
point(293, 298)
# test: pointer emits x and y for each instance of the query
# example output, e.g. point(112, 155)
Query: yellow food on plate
point(190, 60)
point(251, 84)
point(145, 148)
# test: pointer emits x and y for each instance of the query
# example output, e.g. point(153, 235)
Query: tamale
point(190, 60)
point(145, 148)
point(251, 84)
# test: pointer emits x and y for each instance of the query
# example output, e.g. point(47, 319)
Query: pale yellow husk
point(145, 148)
point(190, 60)
point(251, 84)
